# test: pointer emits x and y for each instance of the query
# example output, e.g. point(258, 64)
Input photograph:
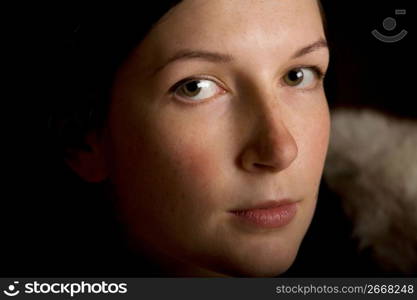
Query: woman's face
point(210, 115)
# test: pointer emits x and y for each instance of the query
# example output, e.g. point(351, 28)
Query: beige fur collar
point(372, 165)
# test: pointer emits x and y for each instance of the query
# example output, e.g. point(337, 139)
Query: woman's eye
point(197, 89)
point(304, 77)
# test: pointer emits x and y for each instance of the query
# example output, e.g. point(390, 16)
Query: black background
point(52, 226)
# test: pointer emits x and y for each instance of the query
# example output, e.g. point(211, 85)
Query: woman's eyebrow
point(187, 54)
point(215, 57)
point(322, 43)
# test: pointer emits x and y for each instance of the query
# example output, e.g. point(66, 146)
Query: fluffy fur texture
point(372, 165)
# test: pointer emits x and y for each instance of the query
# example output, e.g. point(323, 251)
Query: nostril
point(263, 166)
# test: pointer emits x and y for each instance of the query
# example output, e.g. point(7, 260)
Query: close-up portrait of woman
point(189, 139)
point(215, 136)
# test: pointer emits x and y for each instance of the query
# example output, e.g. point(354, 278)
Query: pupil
point(192, 86)
point(295, 75)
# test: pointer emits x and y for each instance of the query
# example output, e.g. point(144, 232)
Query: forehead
point(234, 26)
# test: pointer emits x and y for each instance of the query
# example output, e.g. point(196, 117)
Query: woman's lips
point(271, 214)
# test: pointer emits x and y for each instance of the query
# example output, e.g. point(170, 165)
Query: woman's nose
point(271, 147)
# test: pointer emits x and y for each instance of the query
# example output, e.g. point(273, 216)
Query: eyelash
point(176, 86)
point(317, 71)
point(320, 75)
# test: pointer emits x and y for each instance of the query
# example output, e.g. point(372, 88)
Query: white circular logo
point(11, 289)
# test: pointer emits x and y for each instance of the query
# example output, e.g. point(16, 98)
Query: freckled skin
point(178, 169)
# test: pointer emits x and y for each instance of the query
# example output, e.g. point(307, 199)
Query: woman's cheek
point(194, 147)
point(197, 168)
point(315, 136)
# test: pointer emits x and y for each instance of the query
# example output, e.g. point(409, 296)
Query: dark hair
point(92, 49)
